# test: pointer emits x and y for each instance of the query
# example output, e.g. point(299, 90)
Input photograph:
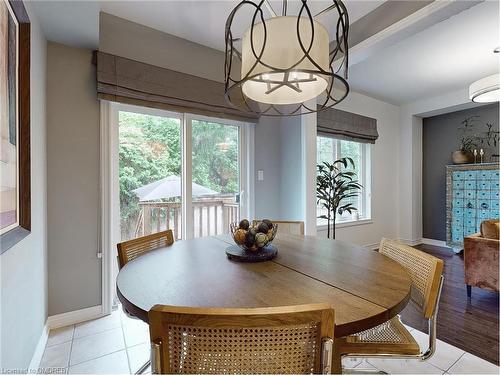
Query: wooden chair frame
point(428, 353)
point(142, 245)
point(430, 310)
point(160, 317)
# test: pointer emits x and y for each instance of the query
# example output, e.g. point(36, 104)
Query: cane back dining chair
point(275, 340)
point(132, 249)
point(287, 226)
point(392, 339)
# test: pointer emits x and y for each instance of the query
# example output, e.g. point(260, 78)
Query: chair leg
point(469, 291)
point(143, 367)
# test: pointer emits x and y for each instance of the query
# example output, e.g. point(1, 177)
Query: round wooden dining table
point(364, 288)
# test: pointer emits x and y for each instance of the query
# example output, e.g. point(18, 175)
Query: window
point(160, 153)
point(330, 149)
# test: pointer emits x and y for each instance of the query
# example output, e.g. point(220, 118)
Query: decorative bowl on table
point(253, 241)
point(253, 236)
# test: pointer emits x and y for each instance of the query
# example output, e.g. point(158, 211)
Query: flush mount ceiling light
point(280, 63)
point(486, 89)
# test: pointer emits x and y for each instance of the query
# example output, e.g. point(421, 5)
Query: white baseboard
point(414, 242)
point(40, 348)
point(57, 321)
point(74, 317)
point(430, 241)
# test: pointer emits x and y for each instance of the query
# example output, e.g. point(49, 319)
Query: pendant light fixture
point(279, 63)
point(486, 89)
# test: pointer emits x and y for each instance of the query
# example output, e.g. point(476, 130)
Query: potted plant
point(334, 184)
point(491, 137)
point(468, 142)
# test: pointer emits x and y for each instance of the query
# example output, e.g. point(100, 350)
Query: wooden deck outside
point(210, 217)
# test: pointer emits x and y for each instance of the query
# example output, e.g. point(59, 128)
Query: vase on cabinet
point(462, 157)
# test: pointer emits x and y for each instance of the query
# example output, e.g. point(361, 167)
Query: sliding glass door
point(150, 165)
point(160, 154)
point(215, 176)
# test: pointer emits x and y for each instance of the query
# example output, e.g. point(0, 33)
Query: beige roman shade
point(128, 81)
point(346, 125)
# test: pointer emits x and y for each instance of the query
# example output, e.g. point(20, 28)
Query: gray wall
point(268, 159)
point(23, 297)
point(278, 152)
point(72, 180)
point(440, 139)
point(290, 169)
point(125, 38)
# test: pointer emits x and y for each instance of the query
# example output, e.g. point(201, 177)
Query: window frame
point(364, 173)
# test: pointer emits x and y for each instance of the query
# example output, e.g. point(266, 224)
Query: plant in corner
point(335, 184)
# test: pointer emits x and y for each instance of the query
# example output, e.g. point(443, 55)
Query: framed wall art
point(15, 174)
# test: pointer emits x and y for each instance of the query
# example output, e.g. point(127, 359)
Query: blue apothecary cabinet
point(472, 195)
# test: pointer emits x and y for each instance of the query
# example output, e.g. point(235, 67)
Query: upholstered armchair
point(481, 257)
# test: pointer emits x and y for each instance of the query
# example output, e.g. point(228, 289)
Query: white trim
point(430, 241)
point(246, 159)
point(423, 18)
point(187, 177)
point(367, 163)
point(74, 317)
point(308, 131)
point(105, 203)
point(373, 246)
point(415, 242)
point(40, 348)
point(346, 224)
point(251, 170)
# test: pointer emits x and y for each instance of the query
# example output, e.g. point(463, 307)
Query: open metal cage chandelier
point(280, 63)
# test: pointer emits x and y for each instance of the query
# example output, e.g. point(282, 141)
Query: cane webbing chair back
point(129, 250)
point(425, 273)
point(288, 227)
point(278, 340)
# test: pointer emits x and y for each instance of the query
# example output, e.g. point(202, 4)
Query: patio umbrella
point(168, 187)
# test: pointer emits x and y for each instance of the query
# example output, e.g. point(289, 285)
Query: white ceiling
point(445, 57)
point(76, 22)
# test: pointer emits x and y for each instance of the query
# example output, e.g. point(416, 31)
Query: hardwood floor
point(471, 325)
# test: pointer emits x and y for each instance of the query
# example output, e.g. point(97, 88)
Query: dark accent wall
point(440, 139)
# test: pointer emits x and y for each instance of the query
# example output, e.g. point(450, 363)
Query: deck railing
point(210, 217)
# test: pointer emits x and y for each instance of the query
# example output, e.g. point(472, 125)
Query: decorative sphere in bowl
point(255, 235)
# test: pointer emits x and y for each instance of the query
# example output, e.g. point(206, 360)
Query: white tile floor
point(117, 344)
